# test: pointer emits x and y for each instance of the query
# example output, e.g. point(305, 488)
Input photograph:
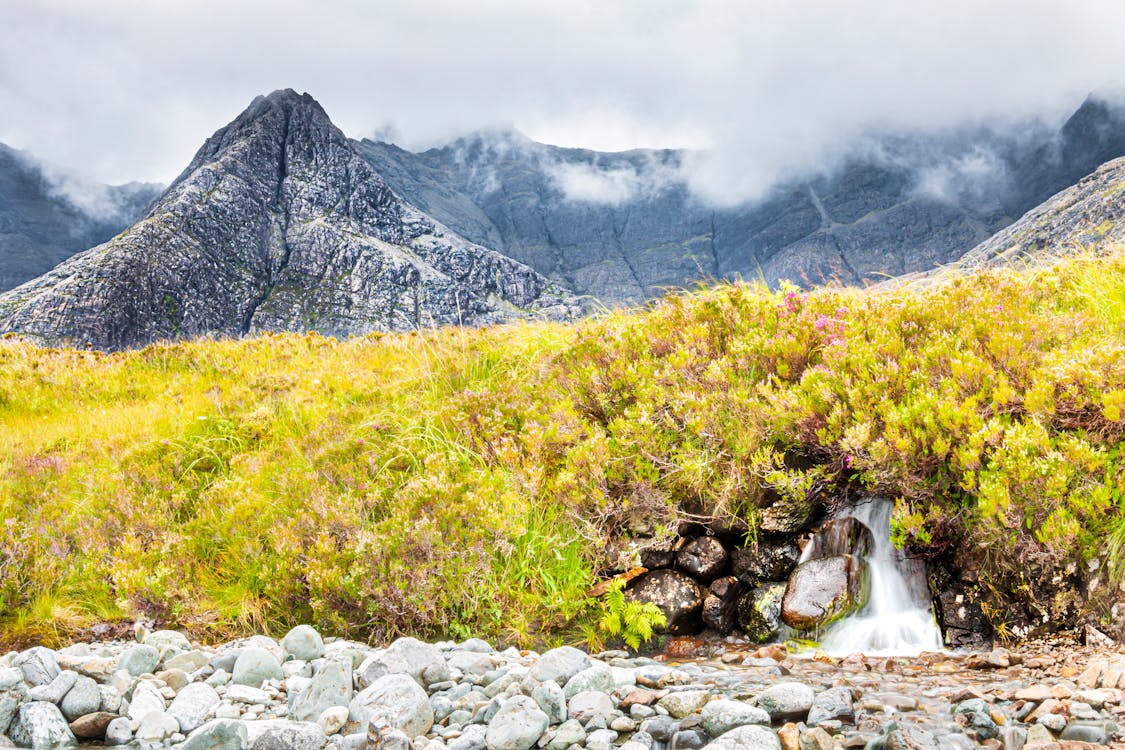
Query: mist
point(759, 92)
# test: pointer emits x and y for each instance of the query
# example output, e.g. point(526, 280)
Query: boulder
point(83, 698)
point(684, 702)
point(139, 660)
point(821, 590)
point(330, 686)
point(759, 612)
point(283, 734)
point(831, 705)
point(720, 716)
point(304, 643)
point(192, 705)
point(40, 725)
point(703, 558)
point(422, 661)
point(38, 665)
point(747, 737)
point(559, 665)
point(679, 597)
point(841, 536)
point(786, 701)
point(586, 706)
point(167, 639)
point(764, 561)
point(597, 677)
point(551, 700)
point(516, 726)
point(397, 699)
point(219, 734)
point(146, 699)
point(254, 666)
point(720, 606)
point(56, 689)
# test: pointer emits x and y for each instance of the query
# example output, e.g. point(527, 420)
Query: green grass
point(465, 482)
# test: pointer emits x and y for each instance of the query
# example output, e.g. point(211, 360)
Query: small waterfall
point(895, 621)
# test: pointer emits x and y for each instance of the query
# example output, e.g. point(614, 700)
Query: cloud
point(127, 89)
point(593, 182)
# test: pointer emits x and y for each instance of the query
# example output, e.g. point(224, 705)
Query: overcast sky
point(128, 89)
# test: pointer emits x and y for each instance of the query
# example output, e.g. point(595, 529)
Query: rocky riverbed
point(308, 693)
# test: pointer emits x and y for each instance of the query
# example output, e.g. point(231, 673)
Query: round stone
point(139, 660)
point(83, 698)
point(559, 664)
point(720, 716)
point(304, 643)
point(516, 726)
point(787, 701)
point(396, 699)
point(747, 737)
point(254, 666)
point(192, 705)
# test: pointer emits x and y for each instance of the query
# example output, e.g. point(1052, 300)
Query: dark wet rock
point(765, 561)
point(759, 612)
point(786, 516)
point(657, 557)
point(824, 589)
point(958, 611)
point(720, 606)
point(703, 558)
point(841, 536)
point(278, 224)
point(679, 597)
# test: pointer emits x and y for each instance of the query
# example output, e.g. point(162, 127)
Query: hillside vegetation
point(466, 481)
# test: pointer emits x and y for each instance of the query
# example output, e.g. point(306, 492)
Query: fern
point(633, 622)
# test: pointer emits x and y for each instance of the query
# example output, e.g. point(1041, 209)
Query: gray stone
point(192, 705)
point(747, 737)
point(283, 734)
point(1097, 732)
point(569, 732)
point(516, 726)
point(110, 698)
point(333, 719)
point(249, 695)
point(330, 686)
point(304, 643)
point(910, 737)
point(382, 736)
point(189, 661)
point(589, 705)
point(551, 700)
point(472, 738)
point(787, 701)
point(40, 725)
point(56, 689)
point(156, 727)
point(167, 639)
point(139, 660)
point(39, 665)
point(470, 662)
point(559, 665)
point(596, 677)
point(10, 677)
point(422, 661)
point(684, 702)
point(83, 698)
point(396, 698)
point(9, 705)
point(146, 699)
point(1054, 722)
point(830, 705)
point(254, 666)
point(119, 732)
point(720, 716)
point(219, 734)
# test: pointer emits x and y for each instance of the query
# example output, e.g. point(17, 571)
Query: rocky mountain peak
point(277, 224)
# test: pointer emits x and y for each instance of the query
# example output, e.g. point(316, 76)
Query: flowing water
point(895, 621)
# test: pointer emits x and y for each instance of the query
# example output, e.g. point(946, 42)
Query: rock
point(470, 662)
point(790, 736)
point(684, 702)
point(333, 719)
point(786, 700)
point(10, 677)
point(93, 726)
point(83, 698)
point(570, 732)
point(330, 686)
point(720, 606)
point(119, 732)
point(688, 739)
point(188, 661)
point(146, 699)
point(516, 726)
point(40, 725)
point(254, 666)
point(304, 643)
point(382, 736)
point(110, 698)
point(597, 677)
point(472, 738)
point(559, 665)
point(841, 536)
point(56, 689)
point(824, 589)
point(38, 665)
point(1096, 732)
point(139, 660)
point(219, 734)
point(759, 612)
point(747, 737)
point(815, 739)
point(766, 561)
point(586, 706)
point(1034, 693)
point(678, 596)
point(192, 705)
point(249, 695)
point(397, 699)
point(551, 700)
point(422, 661)
point(167, 639)
point(909, 737)
point(720, 716)
point(703, 558)
point(176, 679)
point(283, 734)
point(156, 727)
point(830, 705)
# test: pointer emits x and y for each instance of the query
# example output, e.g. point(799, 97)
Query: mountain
point(277, 224)
point(1088, 216)
point(625, 226)
point(43, 222)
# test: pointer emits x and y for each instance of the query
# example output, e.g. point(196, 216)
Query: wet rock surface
point(469, 696)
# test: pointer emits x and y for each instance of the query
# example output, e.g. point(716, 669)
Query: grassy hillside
point(463, 481)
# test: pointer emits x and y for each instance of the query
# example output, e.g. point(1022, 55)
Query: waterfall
point(895, 621)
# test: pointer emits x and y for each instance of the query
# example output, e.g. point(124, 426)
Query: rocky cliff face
point(277, 224)
point(40, 226)
point(1087, 216)
point(624, 227)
